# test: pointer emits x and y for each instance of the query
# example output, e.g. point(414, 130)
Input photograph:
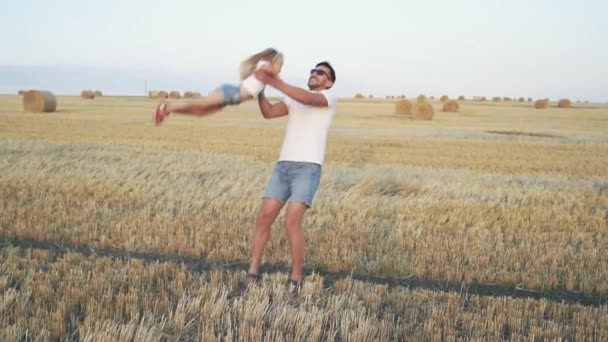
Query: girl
point(269, 61)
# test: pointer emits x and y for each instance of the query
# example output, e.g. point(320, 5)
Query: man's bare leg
point(293, 228)
point(266, 217)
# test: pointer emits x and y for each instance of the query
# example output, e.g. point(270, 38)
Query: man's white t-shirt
point(307, 128)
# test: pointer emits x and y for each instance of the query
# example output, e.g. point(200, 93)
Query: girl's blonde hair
point(270, 55)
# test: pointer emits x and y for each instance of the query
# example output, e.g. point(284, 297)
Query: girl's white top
point(252, 84)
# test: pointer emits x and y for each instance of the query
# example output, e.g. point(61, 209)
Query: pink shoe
point(160, 113)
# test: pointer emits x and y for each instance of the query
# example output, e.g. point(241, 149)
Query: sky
point(533, 48)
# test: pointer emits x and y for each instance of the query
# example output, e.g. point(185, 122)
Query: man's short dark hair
point(332, 72)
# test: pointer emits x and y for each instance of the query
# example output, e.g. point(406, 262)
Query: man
point(296, 175)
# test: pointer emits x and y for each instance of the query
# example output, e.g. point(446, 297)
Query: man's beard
point(311, 86)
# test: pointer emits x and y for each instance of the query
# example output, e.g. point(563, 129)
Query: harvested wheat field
point(486, 225)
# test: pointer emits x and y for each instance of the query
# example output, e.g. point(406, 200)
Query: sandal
point(160, 113)
point(253, 279)
point(293, 287)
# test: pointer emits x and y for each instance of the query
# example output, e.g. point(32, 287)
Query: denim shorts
point(294, 181)
point(231, 93)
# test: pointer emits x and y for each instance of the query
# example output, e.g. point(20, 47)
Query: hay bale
point(97, 93)
point(521, 99)
point(359, 96)
point(564, 103)
point(451, 106)
point(153, 94)
point(506, 99)
point(483, 98)
point(196, 94)
point(421, 98)
point(371, 96)
point(541, 104)
point(444, 98)
point(163, 94)
point(422, 110)
point(87, 94)
point(432, 97)
point(403, 107)
point(21, 92)
point(188, 94)
point(529, 99)
point(496, 99)
point(461, 98)
point(39, 101)
point(174, 94)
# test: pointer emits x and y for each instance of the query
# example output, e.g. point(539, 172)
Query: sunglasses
point(319, 72)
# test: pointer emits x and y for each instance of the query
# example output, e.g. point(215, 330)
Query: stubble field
point(487, 224)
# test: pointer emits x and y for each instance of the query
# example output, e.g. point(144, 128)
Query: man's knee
point(266, 217)
point(293, 222)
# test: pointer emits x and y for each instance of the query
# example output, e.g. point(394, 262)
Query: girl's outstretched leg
point(198, 107)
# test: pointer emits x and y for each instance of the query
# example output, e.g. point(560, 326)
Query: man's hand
point(266, 76)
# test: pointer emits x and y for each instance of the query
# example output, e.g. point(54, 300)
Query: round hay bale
point(529, 99)
point(153, 94)
point(163, 94)
point(451, 106)
point(371, 96)
point(187, 94)
point(521, 99)
point(461, 98)
point(564, 103)
point(506, 99)
point(196, 94)
point(403, 107)
point(359, 96)
point(421, 98)
point(39, 101)
point(422, 110)
point(21, 92)
point(444, 98)
point(496, 99)
point(174, 94)
point(541, 104)
point(483, 98)
point(97, 93)
point(87, 94)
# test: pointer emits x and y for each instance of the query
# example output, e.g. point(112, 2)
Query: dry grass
point(39, 101)
point(440, 199)
point(48, 298)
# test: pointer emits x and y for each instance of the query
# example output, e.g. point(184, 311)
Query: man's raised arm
point(269, 110)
